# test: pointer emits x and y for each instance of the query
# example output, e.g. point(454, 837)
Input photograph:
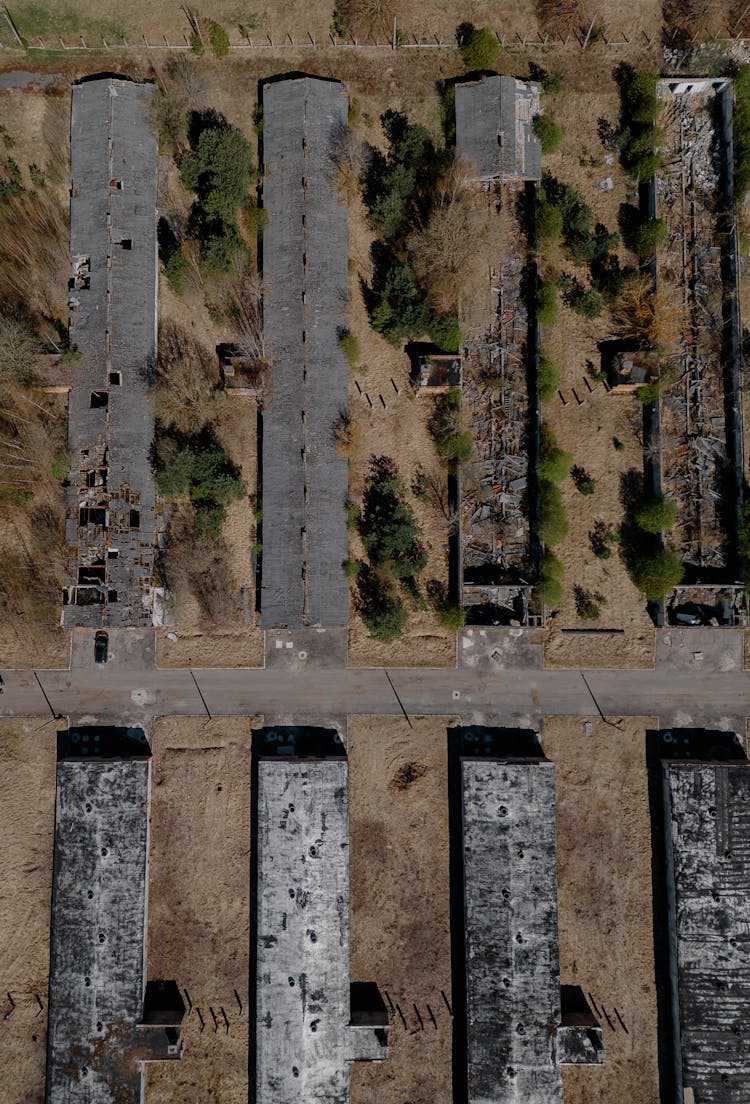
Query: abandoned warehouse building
point(104, 1021)
point(111, 519)
point(521, 1026)
point(495, 128)
point(305, 279)
point(310, 1022)
point(707, 840)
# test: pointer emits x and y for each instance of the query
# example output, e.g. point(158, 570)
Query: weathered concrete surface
point(112, 303)
point(304, 1040)
point(305, 280)
point(98, 950)
point(699, 648)
point(515, 1038)
point(707, 820)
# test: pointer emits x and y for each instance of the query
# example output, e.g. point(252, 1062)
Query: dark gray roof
point(515, 1038)
point(305, 280)
point(494, 131)
point(113, 325)
point(302, 962)
point(98, 940)
point(707, 822)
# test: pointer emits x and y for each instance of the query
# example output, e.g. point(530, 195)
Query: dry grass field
point(604, 900)
point(400, 927)
point(199, 901)
point(27, 792)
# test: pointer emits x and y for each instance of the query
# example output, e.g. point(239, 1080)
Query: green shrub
point(196, 45)
point(352, 516)
point(549, 221)
point(481, 49)
point(656, 515)
point(402, 312)
point(389, 531)
point(585, 301)
point(640, 97)
point(546, 303)
point(553, 523)
point(351, 348)
point(648, 237)
point(351, 568)
point(548, 133)
point(585, 484)
point(450, 615)
point(601, 538)
point(648, 392)
point(218, 170)
point(641, 155)
point(554, 462)
point(445, 332)
point(547, 377)
point(382, 612)
point(256, 220)
point(656, 573)
point(454, 446)
point(219, 39)
point(204, 474)
point(176, 270)
point(588, 603)
point(60, 467)
point(549, 588)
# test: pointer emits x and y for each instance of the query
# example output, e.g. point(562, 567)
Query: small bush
point(176, 271)
point(648, 392)
point(586, 302)
point(546, 303)
point(548, 133)
point(585, 484)
point(554, 462)
point(648, 237)
point(640, 97)
point(445, 332)
point(656, 573)
point(256, 220)
point(60, 467)
point(352, 516)
point(450, 615)
point(549, 221)
point(549, 588)
point(351, 348)
point(601, 538)
point(380, 607)
point(548, 378)
point(481, 49)
point(351, 568)
point(657, 515)
point(196, 45)
point(553, 521)
point(219, 39)
point(588, 603)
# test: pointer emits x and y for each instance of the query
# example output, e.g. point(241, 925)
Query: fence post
point(11, 24)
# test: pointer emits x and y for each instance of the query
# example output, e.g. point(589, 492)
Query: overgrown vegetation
point(548, 378)
point(200, 472)
point(546, 303)
point(448, 427)
point(657, 572)
point(549, 588)
point(639, 138)
point(393, 543)
point(554, 466)
point(217, 168)
point(414, 201)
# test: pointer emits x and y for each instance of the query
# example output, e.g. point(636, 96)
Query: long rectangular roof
point(305, 279)
point(97, 962)
point(112, 304)
point(304, 1039)
point(510, 914)
point(707, 822)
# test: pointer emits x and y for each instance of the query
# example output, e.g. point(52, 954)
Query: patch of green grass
point(39, 20)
